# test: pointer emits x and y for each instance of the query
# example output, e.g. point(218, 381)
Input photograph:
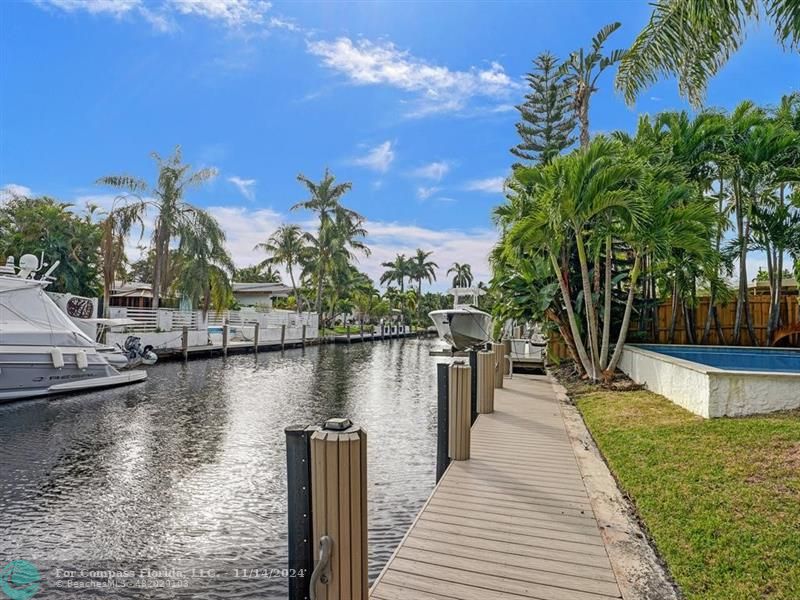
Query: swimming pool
point(716, 381)
point(730, 358)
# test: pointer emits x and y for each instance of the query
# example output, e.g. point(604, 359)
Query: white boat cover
point(28, 317)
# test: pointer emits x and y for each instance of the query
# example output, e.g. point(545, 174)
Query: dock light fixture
point(337, 424)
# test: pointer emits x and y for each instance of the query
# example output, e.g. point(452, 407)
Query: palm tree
point(397, 271)
point(286, 246)
point(582, 70)
point(325, 200)
point(693, 39)
point(422, 268)
point(116, 227)
point(173, 214)
point(257, 274)
point(462, 274)
point(206, 266)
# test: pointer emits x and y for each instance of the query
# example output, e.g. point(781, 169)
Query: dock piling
point(486, 367)
point(185, 342)
point(473, 364)
point(283, 337)
point(442, 427)
point(255, 336)
point(304, 336)
point(339, 510)
point(298, 480)
point(499, 350)
point(225, 338)
point(506, 354)
point(459, 394)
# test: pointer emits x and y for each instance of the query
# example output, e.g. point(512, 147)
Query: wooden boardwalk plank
point(513, 522)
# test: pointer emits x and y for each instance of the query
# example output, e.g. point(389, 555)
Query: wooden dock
point(513, 522)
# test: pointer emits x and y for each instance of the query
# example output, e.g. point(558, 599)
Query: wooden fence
point(659, 333)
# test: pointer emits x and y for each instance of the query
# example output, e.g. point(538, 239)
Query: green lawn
point(721, 497)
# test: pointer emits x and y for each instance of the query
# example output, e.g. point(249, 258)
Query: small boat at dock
point(42, 351)
point(464, 326)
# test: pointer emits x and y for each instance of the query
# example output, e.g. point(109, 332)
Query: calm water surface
point(188, 470)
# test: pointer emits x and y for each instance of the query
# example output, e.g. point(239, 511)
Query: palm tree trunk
point(294, 287)
point(748, 315)
point(588, 303)
point(674, 315)
point(626, 319)
point(713, 291)
point(606, 307)
point(573, 323)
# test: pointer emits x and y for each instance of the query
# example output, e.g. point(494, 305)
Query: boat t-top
point(464, 326)
point(41, 350)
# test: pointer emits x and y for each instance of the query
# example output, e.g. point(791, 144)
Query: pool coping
point(708, 369)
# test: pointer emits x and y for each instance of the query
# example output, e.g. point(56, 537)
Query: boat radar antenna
point(28, 264)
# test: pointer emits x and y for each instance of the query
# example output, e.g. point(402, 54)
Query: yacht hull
point(29, 374)
point(462, 328)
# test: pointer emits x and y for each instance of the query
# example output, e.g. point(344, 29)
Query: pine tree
point(547, 120)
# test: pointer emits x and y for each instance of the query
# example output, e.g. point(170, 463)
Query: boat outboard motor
point(136, 353)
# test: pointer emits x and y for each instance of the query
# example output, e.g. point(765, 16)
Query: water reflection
point(188, 468)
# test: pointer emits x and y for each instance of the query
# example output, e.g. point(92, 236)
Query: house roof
point(271, 289)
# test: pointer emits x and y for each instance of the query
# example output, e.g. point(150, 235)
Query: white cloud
point(378, 158)
point(423, 193)
point(234, 13)
point(245, 186)
point(437, 88)
point(14, 190)
point(244, 228)
point(490, 185)
point(231, 13)
point(115, 8)
point(435, 170)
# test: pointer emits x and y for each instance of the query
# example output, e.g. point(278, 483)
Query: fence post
point(486, 368)
point(255, 336)
point(473, 365)
point(459, 392)
point(339, 508)
point(298, 481)
point(225, 338)
point(304, 336)
point(283, 337)
point(442, 400)
point(185, 341)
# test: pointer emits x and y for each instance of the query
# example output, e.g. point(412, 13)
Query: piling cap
point(337, 424)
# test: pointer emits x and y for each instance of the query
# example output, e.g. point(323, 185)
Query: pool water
point(734, 359)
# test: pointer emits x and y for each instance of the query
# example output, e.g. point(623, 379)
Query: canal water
point(176, 487)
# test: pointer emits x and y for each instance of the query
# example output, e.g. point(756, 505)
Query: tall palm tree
point(286, 246)
point(116, 227)
point(325, 200)
point(397, 271)
point(462, 274)
point(173, 214)
point(422, 268)
point(206, 266)
point(582, 70)
point(693, 39)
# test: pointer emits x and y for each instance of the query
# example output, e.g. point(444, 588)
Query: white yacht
point(41, 350)
point(465, 325)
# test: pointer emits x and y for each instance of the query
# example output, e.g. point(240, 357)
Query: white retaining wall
point(708, 391)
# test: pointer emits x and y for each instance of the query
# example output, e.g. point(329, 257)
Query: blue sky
point(412, 102)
